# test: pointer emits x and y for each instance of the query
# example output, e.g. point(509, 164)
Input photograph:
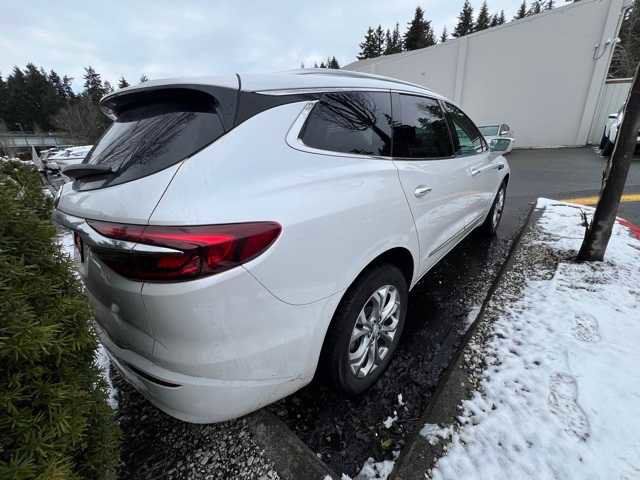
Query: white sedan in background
point(68, 156)
point(499, 136)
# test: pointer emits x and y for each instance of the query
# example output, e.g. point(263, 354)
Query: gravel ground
point(345, 432)
point(157, 446)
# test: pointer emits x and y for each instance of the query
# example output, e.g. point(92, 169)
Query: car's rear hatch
point(155, 127)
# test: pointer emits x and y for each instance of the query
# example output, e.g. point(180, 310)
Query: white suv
point(237, 233)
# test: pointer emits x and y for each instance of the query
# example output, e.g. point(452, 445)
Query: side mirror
point(500, 144)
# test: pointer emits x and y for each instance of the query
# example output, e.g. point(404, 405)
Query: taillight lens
point(203, 250)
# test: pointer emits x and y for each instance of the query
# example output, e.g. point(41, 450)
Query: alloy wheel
point(375, 331)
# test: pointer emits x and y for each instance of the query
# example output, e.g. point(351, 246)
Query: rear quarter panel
point(337, 213)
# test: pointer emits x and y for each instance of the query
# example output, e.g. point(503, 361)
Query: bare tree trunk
point(599, 230)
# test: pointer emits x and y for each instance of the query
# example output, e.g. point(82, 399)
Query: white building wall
point(543, 74)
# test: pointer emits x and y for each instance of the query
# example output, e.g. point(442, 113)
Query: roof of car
point(291, 80)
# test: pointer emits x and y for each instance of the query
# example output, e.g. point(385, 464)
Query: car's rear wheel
point(492, 222)
point(366, 329)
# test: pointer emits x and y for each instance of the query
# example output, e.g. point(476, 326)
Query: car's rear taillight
point(201, 250)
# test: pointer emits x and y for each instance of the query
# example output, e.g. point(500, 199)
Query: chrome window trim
point(294, 141)
point(293, 135)
point(298, 91)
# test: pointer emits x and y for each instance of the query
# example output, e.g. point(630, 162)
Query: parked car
point(499, 135)
point(610, 133)
point(66, 157)
point(237, 233)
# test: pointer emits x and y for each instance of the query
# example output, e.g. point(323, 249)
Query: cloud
point(164, 38)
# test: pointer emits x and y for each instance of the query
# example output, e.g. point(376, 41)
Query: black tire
point(603, 140)
point(490, 225)
point(338, 345)
point(608, 148)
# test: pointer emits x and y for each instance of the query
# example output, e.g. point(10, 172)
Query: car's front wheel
point(491, 223)
point(366, 329)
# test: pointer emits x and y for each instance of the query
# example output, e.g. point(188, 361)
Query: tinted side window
point(350, 122)
point(419, 129)
point(467, 138)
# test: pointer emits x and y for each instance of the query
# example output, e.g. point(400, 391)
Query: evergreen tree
point(378, 37)
point(368, 46)
point(333, 63)
point(66, 84)
point(322, 65)
point(501, 19)
point(549, 5)
point(522, 11)
point(535, 8)
point(465, 21)
point(122, 83)
point(93, 84)
point(4, 96)
point(494, 20)
point(107, 87)
point(483, 20)
point(56, 83)
point(393, 42)
point(144, 78)
point(419, 33)
point(445, 35)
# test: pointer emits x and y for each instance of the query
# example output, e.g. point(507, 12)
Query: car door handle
point(421, 190)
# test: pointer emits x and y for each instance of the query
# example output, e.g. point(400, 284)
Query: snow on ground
point(560, 396)
point(67, 246)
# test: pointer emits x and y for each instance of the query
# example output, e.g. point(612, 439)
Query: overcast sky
point(175, 38)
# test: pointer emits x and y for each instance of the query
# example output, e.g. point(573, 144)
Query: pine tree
point(445, 35)
point(93, 84)
point(322, 65)
point(483, 20)
point(4, 97)
point(465, 21)
point(379, 40)
point(144, 78)
point(535, 8)
point(66, 83)
point(393, 42)
point(549, 5)
point(419, 33)
point(56, 82)
point(368, 46)
point(333, 63)
point(122, 83)
point(501, 19)
point(522, 11)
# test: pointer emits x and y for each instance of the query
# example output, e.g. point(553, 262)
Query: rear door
point(435, 181)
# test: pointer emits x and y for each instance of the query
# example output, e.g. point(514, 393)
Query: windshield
point(148, 137)
point(489, 130)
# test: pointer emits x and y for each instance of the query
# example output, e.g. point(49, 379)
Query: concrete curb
point(419, 455)
point(292, 459)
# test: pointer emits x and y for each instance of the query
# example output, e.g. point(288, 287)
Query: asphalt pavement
point(560, 173)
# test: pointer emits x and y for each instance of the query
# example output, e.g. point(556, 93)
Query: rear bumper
point(223, 346)
point(196, 399)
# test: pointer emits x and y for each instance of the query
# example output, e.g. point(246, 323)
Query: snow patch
point(432, 432)
point(389, 421)
point(559, 396)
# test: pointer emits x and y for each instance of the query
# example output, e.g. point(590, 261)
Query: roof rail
point(351, 74)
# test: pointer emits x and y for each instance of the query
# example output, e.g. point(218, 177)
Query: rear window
point(350, 122)
point(154, 132)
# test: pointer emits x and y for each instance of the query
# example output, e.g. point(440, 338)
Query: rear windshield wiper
point(82, 170)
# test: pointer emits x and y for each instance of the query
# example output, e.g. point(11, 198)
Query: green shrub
point(54, 418)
